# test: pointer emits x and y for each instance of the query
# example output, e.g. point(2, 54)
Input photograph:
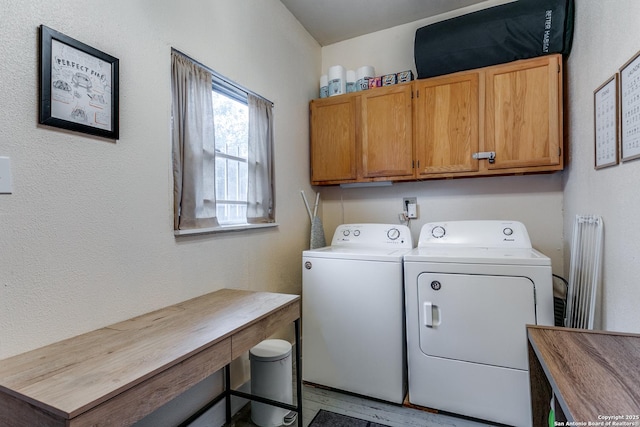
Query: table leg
point(298, 371)
point(227, 390)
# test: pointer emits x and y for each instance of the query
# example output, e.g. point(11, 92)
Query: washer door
point(476, 318)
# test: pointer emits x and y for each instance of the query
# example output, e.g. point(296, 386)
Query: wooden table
point(118, 374)
point(594, 375)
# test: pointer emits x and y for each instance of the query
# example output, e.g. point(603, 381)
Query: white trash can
point(272, 378)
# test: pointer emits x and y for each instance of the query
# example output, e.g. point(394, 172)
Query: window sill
point(224, 229)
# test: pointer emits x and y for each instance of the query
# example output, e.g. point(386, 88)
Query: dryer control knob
point(508, 231)
point(438, 231)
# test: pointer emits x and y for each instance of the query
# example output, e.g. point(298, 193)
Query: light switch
point(6, 186)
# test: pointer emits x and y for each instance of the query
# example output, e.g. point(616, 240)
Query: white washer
point(353, 311)
point(470, 288)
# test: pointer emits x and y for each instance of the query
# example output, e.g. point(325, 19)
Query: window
point(231, 124)
point(222, 152)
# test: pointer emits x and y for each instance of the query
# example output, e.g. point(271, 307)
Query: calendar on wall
point(630, 109)
point(605, 100)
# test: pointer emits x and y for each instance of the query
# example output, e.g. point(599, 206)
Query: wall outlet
point(410, 206)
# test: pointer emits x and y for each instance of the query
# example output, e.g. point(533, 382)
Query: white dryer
point(470, 289)
point(353, 336)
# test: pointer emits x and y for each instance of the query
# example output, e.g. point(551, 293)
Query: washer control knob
point(393, 234)
point(345, 233)
point(438, 231)
point(356, 233)
point(508, 231)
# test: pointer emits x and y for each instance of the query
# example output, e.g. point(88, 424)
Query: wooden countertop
point(592, 373)
point(70, 377)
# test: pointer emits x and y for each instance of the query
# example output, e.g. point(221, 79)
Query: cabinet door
point(387, 135)
point(524, 113)
point(333, 139)
point(447, 124)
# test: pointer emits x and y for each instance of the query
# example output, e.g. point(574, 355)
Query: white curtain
point(260, 198)
point(193, 145)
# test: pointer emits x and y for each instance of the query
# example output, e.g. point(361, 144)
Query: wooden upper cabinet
point(433, 128)
point(387, 134)
point(446, 124)
point(333, 130)
point(524, 114)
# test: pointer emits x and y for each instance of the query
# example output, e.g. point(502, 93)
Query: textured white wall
point(391, 50)
point(535, 200)
point(86, 237)
point(606, 36)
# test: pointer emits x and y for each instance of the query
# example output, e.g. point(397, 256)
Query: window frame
point(239, 93)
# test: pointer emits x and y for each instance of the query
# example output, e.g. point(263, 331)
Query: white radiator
point(585, 272)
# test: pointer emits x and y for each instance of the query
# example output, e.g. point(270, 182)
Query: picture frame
point(79, 86)
point(605, 115)
point(630, 109)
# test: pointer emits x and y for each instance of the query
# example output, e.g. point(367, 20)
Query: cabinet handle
point(491, 155)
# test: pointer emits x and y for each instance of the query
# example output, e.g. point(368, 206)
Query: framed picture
point(78, 86)
point(605, 111)
point(630, 109)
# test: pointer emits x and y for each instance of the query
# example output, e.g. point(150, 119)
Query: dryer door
point(476, 318)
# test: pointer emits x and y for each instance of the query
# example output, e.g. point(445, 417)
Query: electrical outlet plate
point(410, 206)
point(409, 200)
